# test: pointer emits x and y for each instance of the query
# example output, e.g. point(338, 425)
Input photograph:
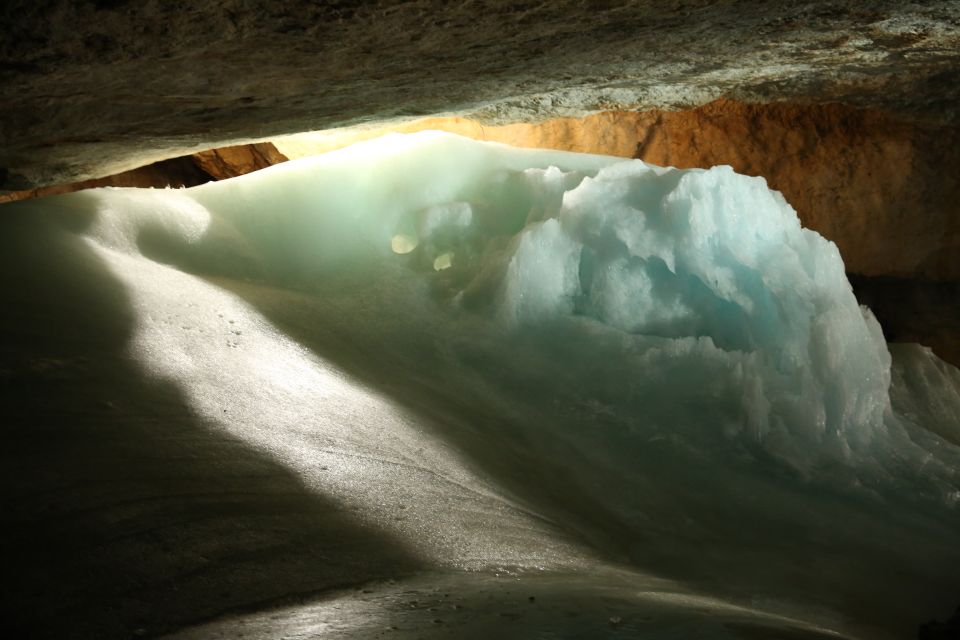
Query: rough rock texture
point(91, 88)
point(175, 172)
point(185, 171)
point(229, 162)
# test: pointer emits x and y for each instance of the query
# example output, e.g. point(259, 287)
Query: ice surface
point(713, 262)
point(661, 361)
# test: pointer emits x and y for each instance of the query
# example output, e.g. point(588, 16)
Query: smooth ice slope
point(560, 356)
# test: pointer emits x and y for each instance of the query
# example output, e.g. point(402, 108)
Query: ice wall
point(708, 267)
point(688, 272)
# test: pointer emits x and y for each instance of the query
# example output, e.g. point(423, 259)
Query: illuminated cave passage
point(379, 380)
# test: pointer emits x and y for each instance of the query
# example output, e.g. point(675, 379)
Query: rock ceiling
point(92, 88)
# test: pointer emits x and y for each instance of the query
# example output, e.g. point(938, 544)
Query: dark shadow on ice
point(125, 514)
point(743, 530)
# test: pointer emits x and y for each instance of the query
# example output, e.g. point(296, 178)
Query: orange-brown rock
point(230, 162)
point(185, 171)
point(176, 172)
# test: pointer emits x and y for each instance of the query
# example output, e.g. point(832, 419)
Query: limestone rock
point(94, 88)
point(229, 162)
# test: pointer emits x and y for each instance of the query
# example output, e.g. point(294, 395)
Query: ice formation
point(655, 354)
point(698, 290)
point(706, 268)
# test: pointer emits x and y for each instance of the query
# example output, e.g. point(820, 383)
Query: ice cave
point(485, 319)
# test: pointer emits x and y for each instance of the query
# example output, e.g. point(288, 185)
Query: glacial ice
point(694, 266)
point(669, 277)
point(649, 355)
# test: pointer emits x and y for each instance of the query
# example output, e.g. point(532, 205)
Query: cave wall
point(183, 171)
point(93, 88)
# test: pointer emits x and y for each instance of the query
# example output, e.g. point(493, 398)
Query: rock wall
point(912, 310)
point(89, 88)
point(229, 162)
point(185, 171)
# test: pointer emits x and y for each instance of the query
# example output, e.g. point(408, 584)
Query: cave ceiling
point(91, 88)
